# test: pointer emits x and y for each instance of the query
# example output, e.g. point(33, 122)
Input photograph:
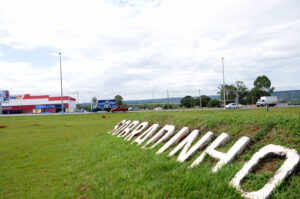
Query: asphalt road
point(144, 111)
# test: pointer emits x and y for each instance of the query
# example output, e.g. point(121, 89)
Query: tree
point(230, 92)
point(242, 92)
point(264, 84)
point(262, 87)
point(214, 103)
point(94, 101)
point(204, 100)
point(119, 100)
point(187, 101)
point(232, 89)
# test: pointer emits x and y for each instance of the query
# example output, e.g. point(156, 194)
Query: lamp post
point(61, 87)
point(200, 102)
point(223, 83)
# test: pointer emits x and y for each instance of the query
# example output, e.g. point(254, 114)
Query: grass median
point(74, 157)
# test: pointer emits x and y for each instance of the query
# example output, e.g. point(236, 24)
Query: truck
point(266, 100)
point(104, 105)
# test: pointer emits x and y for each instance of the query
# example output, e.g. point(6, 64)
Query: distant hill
point(175, 100)
point(287, 96)
point(160, 100)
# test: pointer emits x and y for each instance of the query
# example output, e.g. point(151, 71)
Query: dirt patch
point(254, 130)
point(2, 127)
point(82, 188)
point(82, 197)
point(268, 164)
point(202, 129)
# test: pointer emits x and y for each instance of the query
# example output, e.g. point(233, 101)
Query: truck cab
point(260, 103)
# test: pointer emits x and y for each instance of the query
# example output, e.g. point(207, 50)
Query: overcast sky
point(141, 48)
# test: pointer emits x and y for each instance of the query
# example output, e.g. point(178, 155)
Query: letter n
point(188, 152)
point(224, 158)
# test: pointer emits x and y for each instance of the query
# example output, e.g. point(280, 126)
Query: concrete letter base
point(224, 158)
point(148, 133)
point(137, 130)
point(121, 128)
point(117, 126)
point(174, 140)
point(286, 169)
point(162, 135)
point(188, 152)
point(129, 128)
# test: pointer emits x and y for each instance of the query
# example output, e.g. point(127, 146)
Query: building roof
point(28, 96)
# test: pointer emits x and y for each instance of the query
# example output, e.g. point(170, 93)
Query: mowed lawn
point(74, 157)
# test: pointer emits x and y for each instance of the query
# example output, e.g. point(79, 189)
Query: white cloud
point(134, 47)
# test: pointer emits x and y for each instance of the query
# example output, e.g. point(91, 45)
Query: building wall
point(27, 103)
point(72, 104)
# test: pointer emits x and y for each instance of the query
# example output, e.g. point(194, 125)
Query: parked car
point(119, 108)
point(158, 108)
point(233, 106)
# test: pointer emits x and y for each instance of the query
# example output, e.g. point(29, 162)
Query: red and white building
point(37, 104)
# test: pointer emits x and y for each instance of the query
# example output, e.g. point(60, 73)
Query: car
point(132, 109)
point(233, 106)
point(158, 108)
point(119, 108)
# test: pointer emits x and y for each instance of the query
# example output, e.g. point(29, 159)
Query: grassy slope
point(71, 157)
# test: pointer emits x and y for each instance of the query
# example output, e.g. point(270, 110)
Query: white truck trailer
point(267, 100)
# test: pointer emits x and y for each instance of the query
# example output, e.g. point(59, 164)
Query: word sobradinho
point(139, 132)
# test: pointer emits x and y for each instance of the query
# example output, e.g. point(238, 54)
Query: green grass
point(74, 157)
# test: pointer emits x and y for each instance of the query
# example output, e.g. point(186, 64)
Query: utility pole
point(200, 101)
point(77, 101)
point(168, 99)
point(152, 100)
point(1, 106)
point(223, 82)
point(1, 98)
point(61, 87)
point(237, 97)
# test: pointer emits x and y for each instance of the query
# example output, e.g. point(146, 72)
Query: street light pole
point(77, 101)
point(61, 87)
point(223, 83)
point(200, 103)
point(168, 99)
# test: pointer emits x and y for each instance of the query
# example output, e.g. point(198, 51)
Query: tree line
point(233, 92)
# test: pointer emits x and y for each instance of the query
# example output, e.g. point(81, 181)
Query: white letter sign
point(286, 169)
point(224, 158)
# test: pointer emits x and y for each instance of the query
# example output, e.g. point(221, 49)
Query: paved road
point(145, 111)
